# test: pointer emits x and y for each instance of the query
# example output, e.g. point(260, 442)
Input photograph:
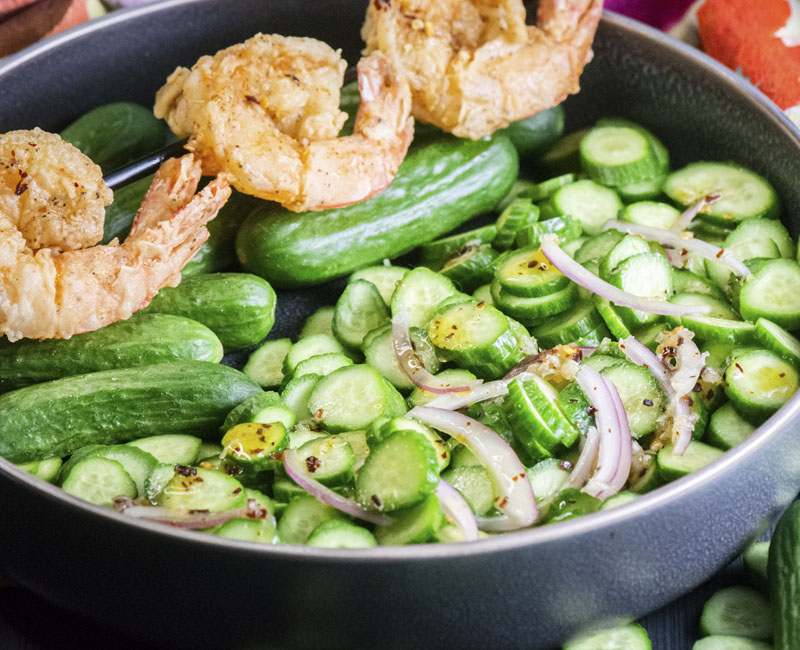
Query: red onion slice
point(684, 241)
point(683, 221)
point(590, 281)
point(291, 462)
point(483, 392)
point(610, 458)
point(457, 510)
point(507, 473)
point(683, 418)
point(411, 364)
point(625, 440)
point(583, 468)
point(192, 519)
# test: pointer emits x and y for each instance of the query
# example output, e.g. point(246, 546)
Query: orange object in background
point(23, 22)
point(751, 36)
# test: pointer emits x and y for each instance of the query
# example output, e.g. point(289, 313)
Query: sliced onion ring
point(583, 468)
point(683, 241)
point(291, 462)
point(411, 364)
point(481, 393)
point(457, 510)
point(590, 281)
point(605, 482)
point(683, 221)
point(190, 519)
point(507, 473)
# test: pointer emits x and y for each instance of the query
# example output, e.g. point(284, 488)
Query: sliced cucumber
point(302, 516)
point(568, 326)
point(400, 472)
point(473, 267)
point(329, 460)
point(531, 310)
point(318, 323)
point(379, 353)
point(385, 278)
point(758, 383)
point(195, 488)
point(642, 396)
point(252, 446)
point(696, 456)
point(519, 213)
point(434, 254)
point(338, 533)
point(360, 308)
point(296, 394)
point(415, 525)
point(419, 293)
point(475, 485)
point(773, 292)
point(778, 340)
point(627, 247)
point(310, 347)
point(248, 530)
point(454, 377)
point(528, 273)
point(597, 246)
point(265, 363)
point(173, 448)
point(588, 202)
point(322, 365)
point(617, 155)
point(629, 637)
point(564, 226)
point(759, 229)
point(727, 428)
point(737, 611)
point(727, 642)
point(99, 480)
point(651, 213)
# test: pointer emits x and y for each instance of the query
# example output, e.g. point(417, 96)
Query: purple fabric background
point(663, 14)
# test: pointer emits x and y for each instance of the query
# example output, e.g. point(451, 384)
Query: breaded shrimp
point(51, 284)
point(266, 114)
point(474, 65)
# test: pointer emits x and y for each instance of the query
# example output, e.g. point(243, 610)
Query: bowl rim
point(592, 523)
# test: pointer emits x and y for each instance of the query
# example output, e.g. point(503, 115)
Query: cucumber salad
point(614, 325)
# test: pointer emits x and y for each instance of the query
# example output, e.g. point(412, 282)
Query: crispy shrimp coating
point(474, 65)
point(53, 282)
point(266, 114)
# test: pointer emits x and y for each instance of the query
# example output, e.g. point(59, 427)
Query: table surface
point(29, 623)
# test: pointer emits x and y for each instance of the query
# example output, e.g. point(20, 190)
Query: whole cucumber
point(535, 134)
point(141, 340)
point(238, 307)
point(115, 406)
point(783, 572)
point(115, 134)
point(441, 184)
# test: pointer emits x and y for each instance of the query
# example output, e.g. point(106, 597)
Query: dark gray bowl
point(525, 590)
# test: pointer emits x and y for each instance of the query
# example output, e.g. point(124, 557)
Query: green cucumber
point(141, 340)
point(195, 488)
point(535, 134)
point(120, 214)
point(99, 480)
point(115, 134)
point(238, 307)
point(737, 611)
point(783, 572)
point(113, 406)
point(440, 185)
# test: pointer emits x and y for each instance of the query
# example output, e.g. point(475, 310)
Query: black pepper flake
point(250, 99)
point(647, 402)
point(313, 464)
point(697, 388)
point(185, 470)
point(738, 367)
point(376, 501)
point(237, 490)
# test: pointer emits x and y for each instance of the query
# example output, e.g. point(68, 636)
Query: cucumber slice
point(519, 213)
point(719, 308)
point(758, 383)
point(538, 422)
point(472, 267)
point(548, 477)
point(727, 642)
point(46, 470)
point(617, 155)
point(338, 533)
point(454, 376)
point(136, 462)
point(352, 397)
point(649, 480)
point(686, 281)
point(309, 347)
point(385, 278)
point(570, 504)
point(265, 363)
point(322, 364)
point(773, 292)
point(528, 273)
point(248, 530)
point(252, 446)
point(520, 189)
point(415, 525)
point(376, 434)
point(727, 428)
point(318, 323)
point(642, 397)
point(329, 460)
point(531, 310)
point(484, 294)
point(400, 472)
point(778, 340)
point(379, 353)
point(542, 191)
point(156, 481)
point(261, 407)
point(420, 293)
point(568, 326)
point(99, 480)
point(717, 331)
point(760, 229)
point(651, 213)
point(627, 247)
point(576, 407)
point(302, 516)
point(588, 202)
point(434, 254)
point(743, 192)
point(564, 226)
point(619, 499)
point(195, 488)
point(646, 275)
point(297, 393)
point(696, 456)
point(737, 611)
point(173, 448)
point(629, 637)
point(597, 246)
point(474, 484)
point(477, 337)
point(611, 317)
point(755, 560)
point(564, 156)
point(534, 134)
point(360, 308)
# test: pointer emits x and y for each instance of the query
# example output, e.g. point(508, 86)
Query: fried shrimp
point(474, 65)
point(266, 114)
point(53, 282)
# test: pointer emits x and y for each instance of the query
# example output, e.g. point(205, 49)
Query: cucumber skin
point(141, 340)
point(115, 406)
point(238, 307)
point(783, 571)
point(439, 186)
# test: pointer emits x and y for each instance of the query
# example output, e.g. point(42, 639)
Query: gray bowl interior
point(526, 590)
